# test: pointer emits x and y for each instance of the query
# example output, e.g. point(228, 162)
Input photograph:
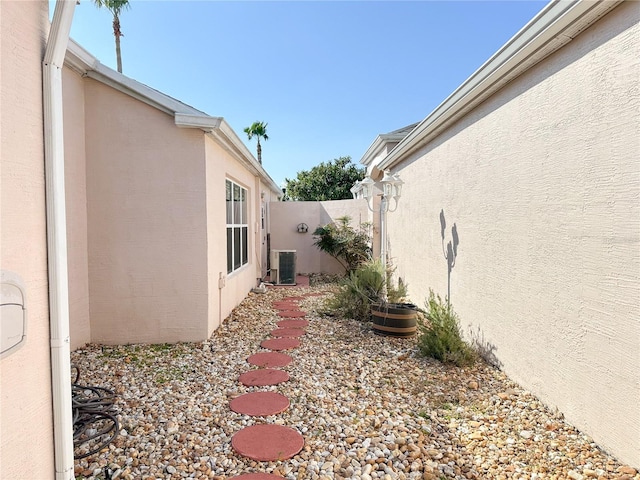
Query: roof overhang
point(378, 146)
point(555, 26)
point(185, 116)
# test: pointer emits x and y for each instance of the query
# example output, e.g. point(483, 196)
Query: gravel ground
point(368, 407)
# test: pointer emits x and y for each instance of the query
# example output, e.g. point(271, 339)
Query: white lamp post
point(391, 189)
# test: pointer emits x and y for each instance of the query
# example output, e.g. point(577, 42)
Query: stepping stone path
point(270, 359)
point(263, 377)
point(287, 332)
point(283, 343)
point(267, 442)
point(270, 442)
point(286, 306)
point(292, 313)
point(259, 404)
point(294, 323)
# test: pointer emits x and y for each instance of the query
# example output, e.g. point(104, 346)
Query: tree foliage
point(328, 181)
point(115, 7)
point(258, 130)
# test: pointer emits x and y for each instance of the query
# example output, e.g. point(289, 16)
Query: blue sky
point(327, 76)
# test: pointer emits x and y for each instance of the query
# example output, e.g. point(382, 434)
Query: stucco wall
point(285, 216)
point(220, 167)
point(76, 199)
point(26, 432)
point(542, 183)
point(146, 208)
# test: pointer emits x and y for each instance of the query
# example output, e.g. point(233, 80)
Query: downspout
point(57, 238)
point(383, 243)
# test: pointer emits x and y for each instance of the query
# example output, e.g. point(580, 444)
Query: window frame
point(237, 225)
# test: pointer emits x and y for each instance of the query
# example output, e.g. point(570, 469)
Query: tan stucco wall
point(146, 209)
point(26, 432)
point(76, 198)
point(220, 167)
point(543, 184)
point(285, 217)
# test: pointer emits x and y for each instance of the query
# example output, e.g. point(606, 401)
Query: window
point(237, 227)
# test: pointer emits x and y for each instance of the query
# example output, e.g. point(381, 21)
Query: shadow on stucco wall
point(486, 349)
point(450, 252)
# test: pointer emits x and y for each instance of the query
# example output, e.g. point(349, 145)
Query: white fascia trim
point(81, 61)
point(204, 122)
point(373, 151)
point(555, 26)
point(378, 146)
point(222, 133)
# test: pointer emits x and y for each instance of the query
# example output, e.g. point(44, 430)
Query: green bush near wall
point(439, 334)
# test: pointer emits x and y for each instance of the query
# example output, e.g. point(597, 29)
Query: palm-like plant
point(350, 247)
point(258, 130)
point(115, 7)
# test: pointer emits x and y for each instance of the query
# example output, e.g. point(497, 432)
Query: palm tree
point(259, 130)
point(115, 7)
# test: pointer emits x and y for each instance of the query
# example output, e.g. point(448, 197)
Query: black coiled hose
point(95, 425)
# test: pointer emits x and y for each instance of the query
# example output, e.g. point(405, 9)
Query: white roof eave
point(555, 26)
point(82, 62)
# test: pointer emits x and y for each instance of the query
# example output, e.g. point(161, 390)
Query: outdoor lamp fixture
point(302, 228)
point(356, 189)
point(391, 189)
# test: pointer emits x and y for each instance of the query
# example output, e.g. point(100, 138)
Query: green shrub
point(439, 335)
point(395, 294)
point(358, 291)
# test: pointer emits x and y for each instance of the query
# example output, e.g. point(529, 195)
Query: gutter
point(555, 26)
point(81, 61)
point(224, 135)
point(57, 238)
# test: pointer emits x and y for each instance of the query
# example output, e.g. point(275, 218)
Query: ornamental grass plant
point(364, 287)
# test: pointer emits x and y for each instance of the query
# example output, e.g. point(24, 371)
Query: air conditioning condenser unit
point(283, 267)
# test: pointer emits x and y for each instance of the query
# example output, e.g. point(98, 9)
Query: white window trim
point(244, 223)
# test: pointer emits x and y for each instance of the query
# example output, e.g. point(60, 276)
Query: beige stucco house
point(26, 428)
point(166, 211)
point(532, 168)
point(153, 226)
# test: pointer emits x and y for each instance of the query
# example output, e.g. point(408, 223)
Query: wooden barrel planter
point(395, 319)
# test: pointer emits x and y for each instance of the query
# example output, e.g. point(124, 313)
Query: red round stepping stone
point(292, 299)
point(259, 404)
point(283, 343)
point(292, 314)
point(285, 303)
point(269, 359)
point(287, 332)
point(267, 443)
point(285, 308)
point(257, 476)
point(263, 377)
point(294, 323)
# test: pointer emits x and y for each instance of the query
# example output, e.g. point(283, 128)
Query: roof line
point(378, 144)
point(555, 26)
point(185, 116)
